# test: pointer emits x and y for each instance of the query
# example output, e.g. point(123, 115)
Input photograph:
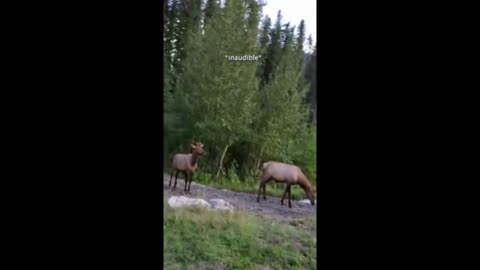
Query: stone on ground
point(220, 204)
point(182, 201)
point(305, 202)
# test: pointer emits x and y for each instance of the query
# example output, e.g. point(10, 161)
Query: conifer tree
point(168, 28)
point(211, 9)
point(264, 43)
point(311, 78)
point(301, 35)
point(183, 17)
point(274, 50)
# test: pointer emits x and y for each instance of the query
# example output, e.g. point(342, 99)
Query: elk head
point(312, 195)
point(197, 148)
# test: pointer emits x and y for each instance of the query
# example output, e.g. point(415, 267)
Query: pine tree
point(165, 12)
point(264, 37)
point(182, 18)
point(301, 36)
point(168, 120)
point(191, 15)
point(274, 50)
point(253, 15)
point(310, 42)
point(300, 58)
point(211, 9)
point(172, 34)
point(168, 33)
point(311, 79)
point(264, 43)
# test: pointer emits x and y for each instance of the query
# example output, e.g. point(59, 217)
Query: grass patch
point(199, 239)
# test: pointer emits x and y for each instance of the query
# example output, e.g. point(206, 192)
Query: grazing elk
point(186, 163)
point(288, 174)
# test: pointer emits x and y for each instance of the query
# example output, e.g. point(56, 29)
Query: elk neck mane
point(194, 159)
point(304, 183)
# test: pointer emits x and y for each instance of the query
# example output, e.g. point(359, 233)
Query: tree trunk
point(260, 157)
point(220, 165)
point(258, 163)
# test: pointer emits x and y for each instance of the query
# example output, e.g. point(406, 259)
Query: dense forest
point(245, 112)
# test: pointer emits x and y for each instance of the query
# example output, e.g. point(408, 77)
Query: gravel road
point(270, 208)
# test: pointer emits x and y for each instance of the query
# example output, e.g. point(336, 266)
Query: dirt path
point(270, 208)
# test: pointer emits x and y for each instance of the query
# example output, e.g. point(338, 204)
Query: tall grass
point(195, 239)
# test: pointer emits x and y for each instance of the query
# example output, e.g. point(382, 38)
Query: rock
point(182, 201)
point(215, 204)
point(306, 202)
point(220, 204)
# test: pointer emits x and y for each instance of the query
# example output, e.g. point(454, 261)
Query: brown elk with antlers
point(187, 163)
point(288, 174)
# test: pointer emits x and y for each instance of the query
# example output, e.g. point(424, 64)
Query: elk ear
point(193, 146)
point(201, 144)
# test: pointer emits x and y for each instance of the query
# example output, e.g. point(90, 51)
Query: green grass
point(195, 239)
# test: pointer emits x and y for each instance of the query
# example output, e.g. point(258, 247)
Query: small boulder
point(220, 204)
point(182, 201)
point(306, 202)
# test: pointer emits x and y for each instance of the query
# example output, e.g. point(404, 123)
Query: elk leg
point(171, 176)
point(190, 181)
point(263, 183)
point(284, 194)
point(259, 190)
point(184, 177)
point(289, 196)
point(260, 186)
point(264, 191)
point(176, 175)
point(265, 187)
point(186, 182)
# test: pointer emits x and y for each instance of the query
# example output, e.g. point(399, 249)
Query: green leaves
point(256, 107)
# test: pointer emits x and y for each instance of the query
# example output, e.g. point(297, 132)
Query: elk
point(187, 163)
point(288, 174)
